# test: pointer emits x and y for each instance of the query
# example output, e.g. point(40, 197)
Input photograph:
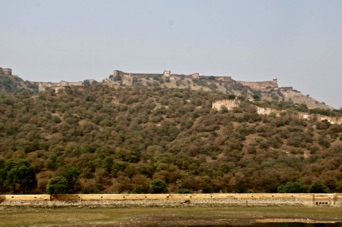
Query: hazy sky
point(297, 41)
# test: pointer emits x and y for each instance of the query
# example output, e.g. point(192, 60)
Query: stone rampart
point(7, 71)
point(132, 75)
point(260, 86)
point(195, 76)
point(250, 199)
point(331, 120)
point(286, 89)
point(166, 73)
point(267, 111)
point(229, 104)
point(42, 86)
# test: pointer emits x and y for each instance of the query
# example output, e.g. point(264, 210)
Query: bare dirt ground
point(164, 216)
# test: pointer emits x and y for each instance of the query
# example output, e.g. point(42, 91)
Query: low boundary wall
point(248, 199)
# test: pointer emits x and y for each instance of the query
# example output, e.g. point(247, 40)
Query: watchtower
point(7, 71)
point(195, 76)
point(166, 73)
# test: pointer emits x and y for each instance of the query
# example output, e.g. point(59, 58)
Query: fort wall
point(286, 89)
point(225, 78)
point(7, 71)
point(121, 73)
point(250, 199)
point(331, 120)
point(229, 104)
point(42, 86)
point(195, 76)
point(262, 85)
point(267, 111)
point(166, 73)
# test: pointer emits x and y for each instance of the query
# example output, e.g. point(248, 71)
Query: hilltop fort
point(257, 90)
point(222, 83)
point(43, 86)
point(6, 71)
point(177, 80)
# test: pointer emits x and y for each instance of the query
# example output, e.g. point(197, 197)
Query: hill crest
point(250, 90)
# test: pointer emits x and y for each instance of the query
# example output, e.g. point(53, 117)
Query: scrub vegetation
point(100, 139)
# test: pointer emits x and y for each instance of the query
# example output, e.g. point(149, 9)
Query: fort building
point(127, 79)
point(195, 76)
point(43, 86)
point(225, 78)
point(6, 71)
point(166, 73)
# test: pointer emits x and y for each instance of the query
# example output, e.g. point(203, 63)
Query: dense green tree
point(292, 187)
point(2, 175)
point(18, 175)
point(71, 175)
point(158, 186)
point(318, 187)
point(339, 186)
point(57, 185)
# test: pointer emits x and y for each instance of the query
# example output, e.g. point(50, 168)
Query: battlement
point(261, 85)
point(43, 86)
point(128, 79)
point(286, 88)
point(119, 73)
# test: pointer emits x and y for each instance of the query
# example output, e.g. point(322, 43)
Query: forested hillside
point(11, 84)
point(141, 139)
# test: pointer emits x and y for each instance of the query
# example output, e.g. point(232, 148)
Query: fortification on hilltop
point(231, 104)
point(228, 103)
point(43, 86)
point(150, 79)
point(193, 81)
point(257, 90)
point(6, 71)
point(261, 85)
point(130, 79)
point(263, 90)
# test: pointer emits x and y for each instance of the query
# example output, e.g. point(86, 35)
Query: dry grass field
point(162, 216)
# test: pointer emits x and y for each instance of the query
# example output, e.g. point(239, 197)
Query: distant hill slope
point(136, 139)
point(295, 97)
point(259, 90)
point(10, 83)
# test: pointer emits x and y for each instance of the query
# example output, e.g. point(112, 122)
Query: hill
point(10, 83)
point(253, 91)
point(110, 138)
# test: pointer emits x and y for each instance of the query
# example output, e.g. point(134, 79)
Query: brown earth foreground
point(182, 215)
